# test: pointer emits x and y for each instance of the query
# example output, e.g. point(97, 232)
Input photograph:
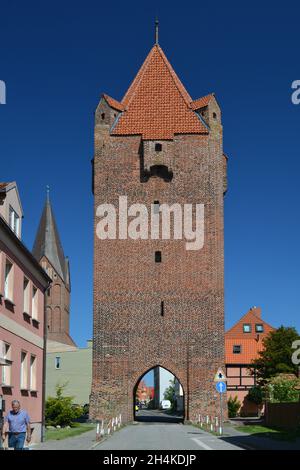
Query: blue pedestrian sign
point(221, 387)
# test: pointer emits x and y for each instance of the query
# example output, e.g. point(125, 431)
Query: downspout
point(44, 366)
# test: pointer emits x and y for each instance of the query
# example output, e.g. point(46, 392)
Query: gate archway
point(158, 396)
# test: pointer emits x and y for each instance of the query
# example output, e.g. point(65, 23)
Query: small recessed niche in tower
point(156, 207)
point(162, 308)
point(158, 147)
point(158, 257)
point(102, 116)
point(215, 115)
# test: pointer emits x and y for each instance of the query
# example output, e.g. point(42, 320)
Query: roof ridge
point(179, 85)
point(127, 98)
point(113, 102)
point(202, 101)
point(245, 314)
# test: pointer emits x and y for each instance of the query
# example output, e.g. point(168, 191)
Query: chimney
point(256, 311)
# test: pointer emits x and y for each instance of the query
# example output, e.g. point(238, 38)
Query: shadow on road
point(158, 416)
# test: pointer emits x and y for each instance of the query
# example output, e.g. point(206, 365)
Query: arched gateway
point(158, 298)
point(159, 396)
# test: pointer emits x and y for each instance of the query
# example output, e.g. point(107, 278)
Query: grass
point(63, 433)
point(273, 433)
point(207, 429)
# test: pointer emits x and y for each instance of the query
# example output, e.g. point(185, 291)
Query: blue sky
point(57, 58)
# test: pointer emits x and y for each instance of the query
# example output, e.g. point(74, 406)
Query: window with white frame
point(32, 372)
point(14, 221)
point(6, 370)
point(26, 292)
point(34, 309)
point(8, 281)
point(23, 371)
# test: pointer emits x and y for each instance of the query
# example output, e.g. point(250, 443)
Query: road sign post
point(221, 388)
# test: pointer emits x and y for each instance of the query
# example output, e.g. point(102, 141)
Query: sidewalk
point(84, 441)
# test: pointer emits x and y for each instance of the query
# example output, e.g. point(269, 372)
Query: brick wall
point(130, 334)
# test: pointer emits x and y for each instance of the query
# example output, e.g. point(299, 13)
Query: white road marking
point(201, 444)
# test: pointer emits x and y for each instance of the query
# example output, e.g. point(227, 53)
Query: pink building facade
point(23, 284)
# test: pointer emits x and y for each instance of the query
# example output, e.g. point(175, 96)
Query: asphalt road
point(158, 416)
point(151, 435)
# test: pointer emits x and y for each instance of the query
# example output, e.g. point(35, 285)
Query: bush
point(60, 410)
point(281, 389)
point(233, 406)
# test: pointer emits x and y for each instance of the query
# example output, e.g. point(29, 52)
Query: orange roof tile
point(202, 102)
point(157, 105)
point(252, 317)
point(249, 350)
point(113, 103)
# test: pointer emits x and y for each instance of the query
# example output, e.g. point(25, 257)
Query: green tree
point(60, 410)
point(276, 357)
point(169, 393)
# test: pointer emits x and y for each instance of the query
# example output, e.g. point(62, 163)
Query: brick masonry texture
point(130, 335)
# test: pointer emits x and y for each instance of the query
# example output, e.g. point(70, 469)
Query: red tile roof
point(113, 103)
point(3, 186)
point(157, 105)
point(249, 350)
point(202, 102)
point(251, 343)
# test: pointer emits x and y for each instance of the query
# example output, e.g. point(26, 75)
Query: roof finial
point(48, 192)
point(156, 30)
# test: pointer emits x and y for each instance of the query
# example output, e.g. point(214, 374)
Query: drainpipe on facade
point(44, 366)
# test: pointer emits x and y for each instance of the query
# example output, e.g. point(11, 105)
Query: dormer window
point(14, 221)
point(158, 147)
point(246, 328)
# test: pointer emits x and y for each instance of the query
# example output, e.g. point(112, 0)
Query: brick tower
point(156, 303)
point(48, 250)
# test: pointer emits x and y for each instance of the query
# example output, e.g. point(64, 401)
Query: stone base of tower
point(116, 376)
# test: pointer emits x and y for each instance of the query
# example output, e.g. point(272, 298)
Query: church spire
point(47, 242)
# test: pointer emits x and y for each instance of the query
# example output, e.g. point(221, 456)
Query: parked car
point(165, 404)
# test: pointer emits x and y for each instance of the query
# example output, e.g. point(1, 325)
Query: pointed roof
point(202, 102)
point(47, 242)
point(113, 103)
point(251, 343)
point(156, 105)
point(252, 317)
